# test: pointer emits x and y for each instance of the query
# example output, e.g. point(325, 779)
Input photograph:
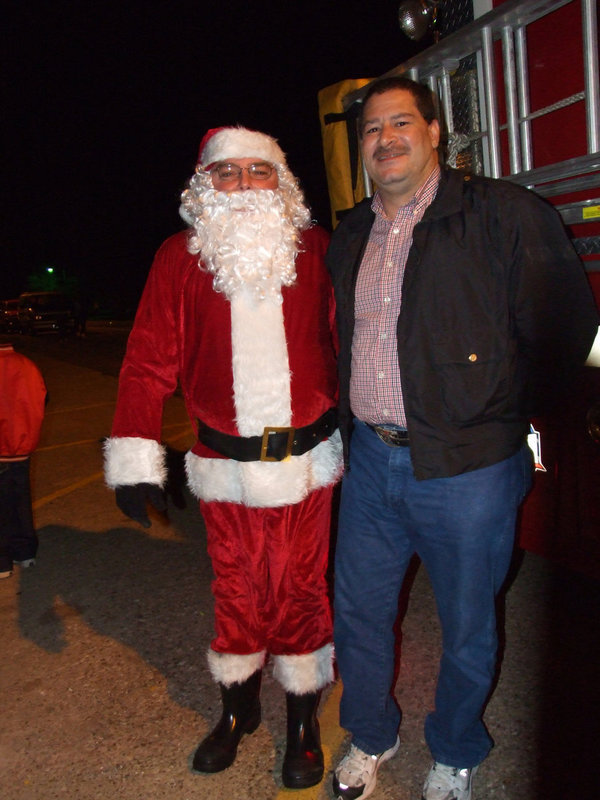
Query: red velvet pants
point(269, 564)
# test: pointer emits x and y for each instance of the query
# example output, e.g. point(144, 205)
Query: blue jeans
point(462, 528)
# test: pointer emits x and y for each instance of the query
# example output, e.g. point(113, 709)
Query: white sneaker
point(25, 563)
point(356, 774)
point(448, 783)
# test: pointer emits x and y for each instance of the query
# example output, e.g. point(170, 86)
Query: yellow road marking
point(332, 737)
point(67, 490)
point(65, 444)
point(189, 432)
point(97, 475)
point(69, 409)
point(99, 441)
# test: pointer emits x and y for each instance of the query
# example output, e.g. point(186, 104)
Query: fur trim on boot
point(230, 668)
point(306, 673)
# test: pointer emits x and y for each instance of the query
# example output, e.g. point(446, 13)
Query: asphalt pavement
point(103, 677)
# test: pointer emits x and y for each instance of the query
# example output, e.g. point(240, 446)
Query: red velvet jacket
point(182, 332)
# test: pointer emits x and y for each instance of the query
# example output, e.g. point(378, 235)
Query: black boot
point(303, 762)
point(241, 714)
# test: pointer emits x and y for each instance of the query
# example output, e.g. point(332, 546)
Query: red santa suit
point(243, 364)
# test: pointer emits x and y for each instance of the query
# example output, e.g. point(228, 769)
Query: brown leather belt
point(391, 436)
point(275, 444)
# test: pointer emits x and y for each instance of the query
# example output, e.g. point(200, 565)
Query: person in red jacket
point(239, 310)
point(22, 399)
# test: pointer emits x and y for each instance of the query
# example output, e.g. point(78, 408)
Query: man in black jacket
point(461, 308)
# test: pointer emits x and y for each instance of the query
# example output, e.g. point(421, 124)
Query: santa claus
point(239, 310)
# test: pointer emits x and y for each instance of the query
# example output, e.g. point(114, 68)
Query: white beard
point(247, 241)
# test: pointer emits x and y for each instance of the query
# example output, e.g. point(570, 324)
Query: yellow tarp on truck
point(340, 148)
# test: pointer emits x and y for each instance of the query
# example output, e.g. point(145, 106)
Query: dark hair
point(423, 96)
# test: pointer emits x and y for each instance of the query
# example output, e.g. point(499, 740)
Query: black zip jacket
point(496, 316)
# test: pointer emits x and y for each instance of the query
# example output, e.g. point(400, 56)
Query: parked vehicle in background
point(43, 312)
point(9, 315)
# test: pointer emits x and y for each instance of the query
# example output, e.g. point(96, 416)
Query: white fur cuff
point(306, 673)
point(228, 668)
point(129, 460)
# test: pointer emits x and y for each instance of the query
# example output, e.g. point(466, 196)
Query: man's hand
point(132, 500)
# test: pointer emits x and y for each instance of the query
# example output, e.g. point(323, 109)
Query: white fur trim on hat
point(306, 673)
point(228, 668)
point(130, 459)
point(241, 143)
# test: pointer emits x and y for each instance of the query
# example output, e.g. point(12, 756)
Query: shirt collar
point(422, 198)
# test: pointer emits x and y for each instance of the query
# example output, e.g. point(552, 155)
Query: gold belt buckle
point(291, 432)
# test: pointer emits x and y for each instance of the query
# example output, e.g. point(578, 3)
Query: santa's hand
point(132, 500)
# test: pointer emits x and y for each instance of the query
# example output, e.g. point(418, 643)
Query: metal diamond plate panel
point(453, 15)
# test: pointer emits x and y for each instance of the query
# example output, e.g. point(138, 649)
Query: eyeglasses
point(260, 171)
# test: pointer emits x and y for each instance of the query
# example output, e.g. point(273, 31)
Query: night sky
point(105, 104)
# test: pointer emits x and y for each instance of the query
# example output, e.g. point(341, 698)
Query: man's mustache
point(389, 151)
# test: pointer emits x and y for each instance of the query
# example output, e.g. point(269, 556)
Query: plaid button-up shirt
point(375, 388)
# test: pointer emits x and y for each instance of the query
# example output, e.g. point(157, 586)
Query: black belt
point(391, 436)
point(275, 444)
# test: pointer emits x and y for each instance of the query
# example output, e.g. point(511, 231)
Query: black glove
point(132, 501)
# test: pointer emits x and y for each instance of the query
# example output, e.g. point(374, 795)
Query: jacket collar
point(449, 197)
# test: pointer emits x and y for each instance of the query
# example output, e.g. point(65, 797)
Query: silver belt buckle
point(391, 437)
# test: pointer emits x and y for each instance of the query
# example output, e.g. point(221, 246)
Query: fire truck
point(518, 89)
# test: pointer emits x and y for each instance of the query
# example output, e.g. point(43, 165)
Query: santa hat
point(221, 144)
